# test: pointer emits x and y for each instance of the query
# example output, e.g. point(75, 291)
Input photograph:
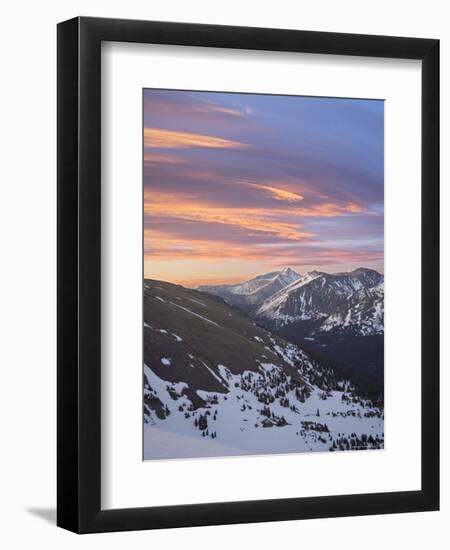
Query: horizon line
point(231, 281)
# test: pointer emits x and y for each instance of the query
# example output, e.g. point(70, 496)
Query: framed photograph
point(241, 212)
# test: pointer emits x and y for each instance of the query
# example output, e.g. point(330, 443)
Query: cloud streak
point(169, 139)
point(254, 221)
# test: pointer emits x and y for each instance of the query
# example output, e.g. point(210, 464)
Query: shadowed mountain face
point(337, 317)
point(214, 381)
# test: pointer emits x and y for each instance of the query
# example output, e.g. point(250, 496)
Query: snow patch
point(195, 314)
point(212, 372)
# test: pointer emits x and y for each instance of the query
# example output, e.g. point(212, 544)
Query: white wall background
point(28, 272)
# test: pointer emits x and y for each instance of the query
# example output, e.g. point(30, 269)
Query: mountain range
point(319, 302)
point(338, 318)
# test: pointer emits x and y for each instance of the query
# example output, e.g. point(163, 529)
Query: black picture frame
point(79, 280)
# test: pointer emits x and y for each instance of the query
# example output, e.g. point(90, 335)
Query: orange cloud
point(331, 256)
point(249, 234)
point(189, 105)
point(251, 219)
point(161, 247)
point(209, 107)
point(259, 219)
point(273, 190)
point(276, 192)
point(150, 158)
point(170, 139)
point(328, 210)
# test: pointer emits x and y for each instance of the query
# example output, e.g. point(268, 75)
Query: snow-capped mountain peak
point(288, 274)
point(251, 293)
point(350, 302)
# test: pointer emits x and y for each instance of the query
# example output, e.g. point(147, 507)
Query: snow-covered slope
point(216, 384)
point(363, 316)
point(251, 293)
point(351, 303)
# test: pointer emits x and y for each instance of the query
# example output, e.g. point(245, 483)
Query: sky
point(236, 185)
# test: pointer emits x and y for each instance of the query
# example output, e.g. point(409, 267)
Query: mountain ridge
point(347, 302)
point(340, 302)
point(248, 294)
